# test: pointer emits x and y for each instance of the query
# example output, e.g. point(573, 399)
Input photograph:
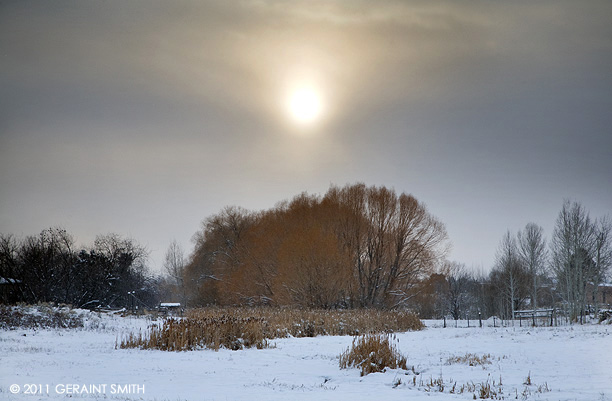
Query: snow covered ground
point(562, 363)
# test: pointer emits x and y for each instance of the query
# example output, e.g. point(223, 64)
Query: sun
point(305, 106)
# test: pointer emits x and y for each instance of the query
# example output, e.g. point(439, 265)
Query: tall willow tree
point(356, 246)
point(392, 239)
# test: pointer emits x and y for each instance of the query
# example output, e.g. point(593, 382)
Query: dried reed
point(372, 353)
point(235, 328)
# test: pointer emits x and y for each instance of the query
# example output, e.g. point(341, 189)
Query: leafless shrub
point(372, 353)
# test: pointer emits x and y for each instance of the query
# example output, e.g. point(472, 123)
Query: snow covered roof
point(607, 285)
point(169, 305)
point(9, 281)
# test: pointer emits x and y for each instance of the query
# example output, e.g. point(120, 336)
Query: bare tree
point(124, 264)
point(9, 248)
point(509, 275)
point(573, 245)
point(533, 255)
point(603, 255)
point(45, 266)
point(174, 264)
point(456, 294)
point(10, 269)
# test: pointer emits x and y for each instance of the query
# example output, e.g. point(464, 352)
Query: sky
point(143, 118)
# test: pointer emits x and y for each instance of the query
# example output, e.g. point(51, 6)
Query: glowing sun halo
point(305, 106)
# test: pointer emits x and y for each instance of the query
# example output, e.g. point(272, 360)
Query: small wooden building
point(170, 308)
point(9, 290)
point(600, 296)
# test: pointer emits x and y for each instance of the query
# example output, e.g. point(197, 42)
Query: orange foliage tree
point(355, 246)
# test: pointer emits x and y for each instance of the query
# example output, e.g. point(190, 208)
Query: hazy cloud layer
point(144, 117)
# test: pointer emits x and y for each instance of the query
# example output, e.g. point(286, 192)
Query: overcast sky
point(145, 117)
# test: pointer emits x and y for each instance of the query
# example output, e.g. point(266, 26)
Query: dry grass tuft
point(488, 389)
point(528, 380)
point(312, 323)
point(372, 353)
point(212, 332)
point(470, 359)
point(235, 328)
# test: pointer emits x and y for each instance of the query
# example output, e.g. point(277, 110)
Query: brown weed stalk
point(372, 353)
point(235, 328)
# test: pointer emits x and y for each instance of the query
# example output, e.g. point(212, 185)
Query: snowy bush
point(38, 317)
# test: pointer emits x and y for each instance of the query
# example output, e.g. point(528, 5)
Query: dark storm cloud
point(144, 117)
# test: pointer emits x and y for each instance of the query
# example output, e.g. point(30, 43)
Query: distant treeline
point(567, 273)
point(353, 247)
point(360, 246)
point(48, 268)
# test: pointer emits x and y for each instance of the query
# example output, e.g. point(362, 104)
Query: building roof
point(9, 280)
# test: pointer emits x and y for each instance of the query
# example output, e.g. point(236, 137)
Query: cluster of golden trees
point(355, 246)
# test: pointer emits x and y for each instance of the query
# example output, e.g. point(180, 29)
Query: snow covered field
point(562, 363)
